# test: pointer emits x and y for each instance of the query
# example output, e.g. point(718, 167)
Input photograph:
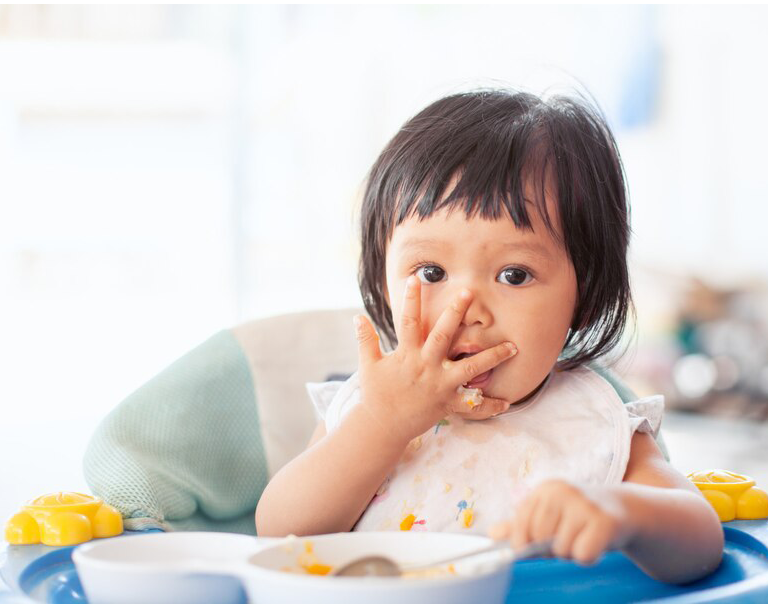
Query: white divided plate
point(194, 567)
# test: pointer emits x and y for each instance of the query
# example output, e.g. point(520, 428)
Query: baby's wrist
point(384, 427)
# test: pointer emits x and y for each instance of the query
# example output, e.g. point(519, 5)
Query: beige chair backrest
point(285, 352)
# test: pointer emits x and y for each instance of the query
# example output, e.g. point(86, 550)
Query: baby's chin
point(508, 390)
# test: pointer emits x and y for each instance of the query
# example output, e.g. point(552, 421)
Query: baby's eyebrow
point(533, 248)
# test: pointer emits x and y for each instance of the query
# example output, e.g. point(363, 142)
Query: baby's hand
point(582, 522)
point(471, 407)
point(410, 390)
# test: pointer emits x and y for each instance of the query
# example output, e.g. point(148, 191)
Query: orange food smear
point(318, 569)
point(308, 560)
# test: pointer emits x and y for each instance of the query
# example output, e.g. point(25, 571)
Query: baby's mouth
point(478, 381)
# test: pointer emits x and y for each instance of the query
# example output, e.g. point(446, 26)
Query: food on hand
point(471, 396)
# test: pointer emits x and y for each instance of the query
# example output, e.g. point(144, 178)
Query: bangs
point(481, 167)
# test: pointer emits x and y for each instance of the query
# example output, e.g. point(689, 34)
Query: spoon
point(378, 565)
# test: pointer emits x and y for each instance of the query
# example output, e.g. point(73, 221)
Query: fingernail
point(511, 347)
point(465, 293)
point(411, 282)
point(357, 321)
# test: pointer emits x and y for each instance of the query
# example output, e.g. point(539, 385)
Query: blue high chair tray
point(46, 574)
point(741, 577)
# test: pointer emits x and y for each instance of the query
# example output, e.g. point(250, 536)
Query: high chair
point(195, 446)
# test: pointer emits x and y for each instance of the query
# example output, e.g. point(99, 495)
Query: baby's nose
point(478, 310)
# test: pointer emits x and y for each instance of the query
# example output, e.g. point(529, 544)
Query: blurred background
point(168, 171)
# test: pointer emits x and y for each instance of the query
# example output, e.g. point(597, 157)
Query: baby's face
point(523, 283)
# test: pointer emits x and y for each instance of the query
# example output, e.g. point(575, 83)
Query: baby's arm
point(328, 486)
point(402, 395)
point(678, 535)
point(656, 517)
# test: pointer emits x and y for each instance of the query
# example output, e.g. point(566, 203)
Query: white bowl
point(481, 579)
point(165, 568)
point(209, 567)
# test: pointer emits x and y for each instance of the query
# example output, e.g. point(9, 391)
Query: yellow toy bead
point(107, 522)
point(721, 503)
point(61, 519)
point(22, 529)
point(731, 495)
point(752, 504)
point(62, 529)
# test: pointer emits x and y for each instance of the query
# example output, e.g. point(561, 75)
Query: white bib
point(464, 475)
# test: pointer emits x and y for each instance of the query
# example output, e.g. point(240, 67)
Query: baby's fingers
point(591, 542)
point(570, 527)
point(367, 340)
point(465, 370)
point(409, 335)
point(439, 339)
point(469, 409)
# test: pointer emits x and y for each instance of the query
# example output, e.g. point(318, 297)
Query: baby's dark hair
point(490, 143)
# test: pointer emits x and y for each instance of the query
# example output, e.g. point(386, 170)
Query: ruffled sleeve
point(333, 399)
point(322, 394)
point(645, 414)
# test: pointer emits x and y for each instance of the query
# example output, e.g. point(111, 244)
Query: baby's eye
point(430, 274)
point(515, 276)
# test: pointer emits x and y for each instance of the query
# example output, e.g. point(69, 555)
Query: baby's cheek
point(517, 379)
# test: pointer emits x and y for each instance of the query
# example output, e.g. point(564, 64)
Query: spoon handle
point(532, 550)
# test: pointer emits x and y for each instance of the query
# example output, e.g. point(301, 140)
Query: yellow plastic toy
point(732, 496)
point(63, 518)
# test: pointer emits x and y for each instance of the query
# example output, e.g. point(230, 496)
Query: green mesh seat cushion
point(185, 450)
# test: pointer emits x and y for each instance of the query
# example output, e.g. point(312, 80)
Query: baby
point(494, 244)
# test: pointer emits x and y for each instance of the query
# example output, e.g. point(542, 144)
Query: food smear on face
point(309, 562)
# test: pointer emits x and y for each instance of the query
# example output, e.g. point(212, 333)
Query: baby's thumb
point(487, 408)
point(367, 339)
